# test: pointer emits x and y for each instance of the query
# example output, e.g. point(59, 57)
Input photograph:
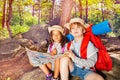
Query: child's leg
point(66, 66)
point(45, 68)
point(94, 76)
point(49, 65)
point(57, 68)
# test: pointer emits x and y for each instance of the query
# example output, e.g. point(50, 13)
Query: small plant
point(8, 78)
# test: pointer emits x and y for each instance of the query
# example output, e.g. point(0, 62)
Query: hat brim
point(52, 29)
point(67, 25)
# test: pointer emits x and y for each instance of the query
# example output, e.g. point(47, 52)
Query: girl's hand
point(70, 54)
point(53, 52)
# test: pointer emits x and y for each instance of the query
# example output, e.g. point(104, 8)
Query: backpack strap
point(104, 61)
point(83, 51)
point(50, 48)
point(68, 45)
point(83, 48)
point(51, 45)
point(86, 39)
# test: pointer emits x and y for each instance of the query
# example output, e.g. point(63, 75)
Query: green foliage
point(28, 2)
point(26, 19)
point(46, 4)
point(112, 34)
point(1, 14)
point(29, 19)
point(15, 30)
point(22, 17)
point(3, 33)
point(15, 20)
point(94, 16)
point(111, 12)
point(116, 25)
point(19, 29)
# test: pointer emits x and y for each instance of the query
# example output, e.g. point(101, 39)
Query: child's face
point(76, 30)
point(56, 36)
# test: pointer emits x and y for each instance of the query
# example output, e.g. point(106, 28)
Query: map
point(39, 58)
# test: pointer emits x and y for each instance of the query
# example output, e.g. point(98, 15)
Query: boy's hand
point(53, 52)
point(70, 54)
point(66, 54)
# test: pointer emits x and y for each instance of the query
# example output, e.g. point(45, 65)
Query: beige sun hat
point(73, 20)
point(56, 27)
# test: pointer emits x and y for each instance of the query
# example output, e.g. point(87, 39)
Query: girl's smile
point(56, 36)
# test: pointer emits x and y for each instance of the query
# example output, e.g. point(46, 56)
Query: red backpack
point(104, 61)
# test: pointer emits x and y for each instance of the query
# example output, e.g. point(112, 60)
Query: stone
point(37, 33)
point(15, 66)
point(35, 74)
point(9, 48)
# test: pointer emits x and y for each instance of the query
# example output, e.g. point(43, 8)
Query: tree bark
point(52, 10)
point(80, 8)
point(39, 12)
point(75, 7)
point(66, 11)
point(20, 15)
point(86, 17)
point(4, 14)
point(102, 10)
point(33, 10)
point(39, 15)
point(9, 18)
point(102, 14)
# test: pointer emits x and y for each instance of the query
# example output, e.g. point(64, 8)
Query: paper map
point(40, 58)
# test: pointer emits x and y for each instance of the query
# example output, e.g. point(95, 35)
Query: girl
point(73, 63)
point(56, 47)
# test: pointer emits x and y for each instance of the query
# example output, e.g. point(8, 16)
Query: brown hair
point(63, 39)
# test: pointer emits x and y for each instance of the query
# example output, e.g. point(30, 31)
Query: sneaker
point(55, 79)
point(49, 77)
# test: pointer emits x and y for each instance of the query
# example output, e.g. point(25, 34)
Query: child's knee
point(57, 60)
point(94, 76)
point(64, 59)
point(42, 65)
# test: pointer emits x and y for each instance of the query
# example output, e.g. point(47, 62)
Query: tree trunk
point(102, 11)
point(52, 10)
point(80, 8)
point(20, 15)
point(86, 19)
point(66, 11)
point(33, 10)
point(9, 18)
point(39, 16)
point(39, 12)
point(75, 7)
point(4, 14)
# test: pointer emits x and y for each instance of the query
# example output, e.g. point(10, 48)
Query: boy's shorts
point(82, 73)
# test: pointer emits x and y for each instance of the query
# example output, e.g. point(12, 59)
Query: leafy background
point(23, 18)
